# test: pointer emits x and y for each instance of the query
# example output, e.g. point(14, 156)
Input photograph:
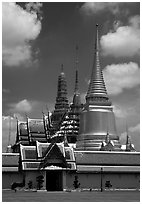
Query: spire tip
point(62, 68)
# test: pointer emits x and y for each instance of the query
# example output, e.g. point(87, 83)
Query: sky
point(38, 37)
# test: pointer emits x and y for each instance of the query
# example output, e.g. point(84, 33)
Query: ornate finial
point(128, 141)
point(127, 137)
point(97, 39)
point(65, 140)
point(107, 138)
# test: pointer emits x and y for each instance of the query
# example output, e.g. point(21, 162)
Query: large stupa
point(97, 118)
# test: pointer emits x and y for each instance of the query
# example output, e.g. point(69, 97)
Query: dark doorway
point(54, 180)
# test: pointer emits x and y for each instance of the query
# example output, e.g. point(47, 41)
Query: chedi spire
point(97, 93)
point(76, 66)
point(61, 105)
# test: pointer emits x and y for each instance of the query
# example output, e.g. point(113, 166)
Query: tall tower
point(97, 118)
point(70, 125)
point(76, 105)
point(61, 105)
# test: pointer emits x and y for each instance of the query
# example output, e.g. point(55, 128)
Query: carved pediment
point(53, 156)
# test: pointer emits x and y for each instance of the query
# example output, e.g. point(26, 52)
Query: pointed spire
point(76, 67)
point(97, 92)
point(128, 141)
point(65, 140)
point(107, 140)
point(17, 134)
point(127, 137)
point(77, 61)
point(62, 68)
point(76, 97)
point(76, 82)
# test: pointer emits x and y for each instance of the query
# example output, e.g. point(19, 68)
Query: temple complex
point(77, 146)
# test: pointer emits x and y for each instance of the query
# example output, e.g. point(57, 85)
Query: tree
point(40, 180)
point(76, 183)
point(30, 184)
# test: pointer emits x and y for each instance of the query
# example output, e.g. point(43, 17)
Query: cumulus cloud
point(19, 28)
point(23, 106)
point(121, 76)
point(135, 128)
point(119, 112)
point(90, 8)
point(124, 41)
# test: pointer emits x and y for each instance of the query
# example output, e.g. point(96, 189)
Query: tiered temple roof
point(72, 120)
point(61, 105)
point(70, 124)
point(31, 131)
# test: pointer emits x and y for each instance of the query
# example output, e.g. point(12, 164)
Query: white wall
point(10, 177)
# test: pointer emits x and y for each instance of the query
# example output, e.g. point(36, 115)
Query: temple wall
point(10, 177)
point(118, 180)
point(87, 180)
point(32, 175)
point(70, 177)
point(123, 180)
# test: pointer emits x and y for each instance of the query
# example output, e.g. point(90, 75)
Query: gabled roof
point(42, 148)
point(54, 157)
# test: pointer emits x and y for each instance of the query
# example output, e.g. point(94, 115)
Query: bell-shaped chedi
point(97, 116)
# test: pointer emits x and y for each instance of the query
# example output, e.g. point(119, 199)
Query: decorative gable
point(54, 157)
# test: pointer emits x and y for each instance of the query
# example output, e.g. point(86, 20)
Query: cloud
point(8, 129)
point(124, 41)
point(121, 76)
point(119, 112)
point(31, 108)
point(135, 128)
point(23, 106)
point(5, 91)
point(19, 28)
point(90, 8)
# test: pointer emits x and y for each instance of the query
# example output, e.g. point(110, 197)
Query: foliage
point(40, 180)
